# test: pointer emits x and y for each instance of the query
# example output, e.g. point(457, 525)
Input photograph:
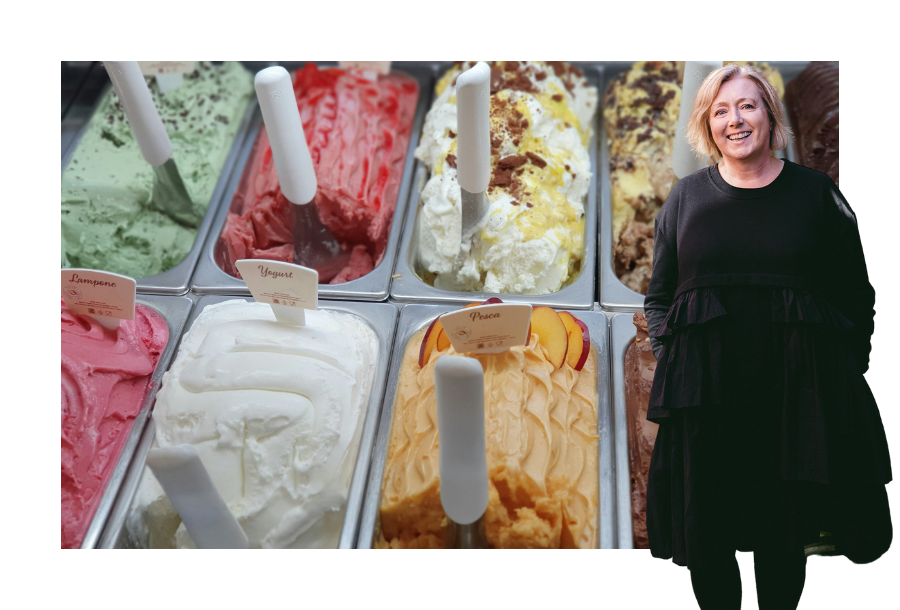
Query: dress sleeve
point(663, 283)
point(853, 292)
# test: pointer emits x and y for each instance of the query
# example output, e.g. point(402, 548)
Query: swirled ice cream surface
point(275, 412)
point(533, 240)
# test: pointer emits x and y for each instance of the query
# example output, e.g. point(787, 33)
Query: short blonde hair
point(698, 131)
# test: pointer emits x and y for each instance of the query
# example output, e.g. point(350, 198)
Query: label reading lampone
point(153, 68)
point(98, 293)
point(279, 283)
point(487, 329)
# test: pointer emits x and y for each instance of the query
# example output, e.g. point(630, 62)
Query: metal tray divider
point(623, 333)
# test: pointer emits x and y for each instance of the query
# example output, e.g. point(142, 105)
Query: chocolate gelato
point(812, 105)
point(640, 366)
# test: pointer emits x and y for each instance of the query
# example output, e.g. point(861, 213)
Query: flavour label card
point(98, 293)
point(278, 283)
point(487, 329)
point(152, 68)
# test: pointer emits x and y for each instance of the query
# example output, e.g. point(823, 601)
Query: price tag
point(106, 297)
point(369, 69)
point(169, 74)
point(288, 288)
point(487, 329)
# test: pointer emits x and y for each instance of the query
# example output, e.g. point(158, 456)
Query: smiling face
point(739, 121)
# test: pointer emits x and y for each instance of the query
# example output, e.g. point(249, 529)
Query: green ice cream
point(107, 219)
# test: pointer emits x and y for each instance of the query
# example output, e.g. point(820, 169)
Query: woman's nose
point(736, 117)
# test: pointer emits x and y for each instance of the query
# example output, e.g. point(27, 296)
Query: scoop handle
point(192, 492)
point(459, 390)
point(473, 94)
point(147, 127)
point(289, 150)
point(684, 161)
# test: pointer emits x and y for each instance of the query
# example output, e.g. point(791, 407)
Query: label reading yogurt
point(280, 284)
point(98, 293)
point(487, 329)
point(152, 68)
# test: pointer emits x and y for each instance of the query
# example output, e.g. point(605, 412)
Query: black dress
point(761, 314)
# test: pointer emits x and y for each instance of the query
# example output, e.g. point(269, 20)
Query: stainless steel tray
point(614, 295)
point(175, 311)
point(382, 317)
point(415, 317)
point(621, 336)
point(211, 279)
point(408, 287)
point(176, 280)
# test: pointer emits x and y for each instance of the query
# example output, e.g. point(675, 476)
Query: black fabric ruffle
point(831, 427)
point(689, 372)
point(801, 437)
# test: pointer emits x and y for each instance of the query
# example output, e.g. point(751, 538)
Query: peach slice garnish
point(552, 333)
point(443, 341)
point(429, 341)
point(579, 340)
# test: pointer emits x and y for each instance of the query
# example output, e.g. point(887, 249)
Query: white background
point(34, 42)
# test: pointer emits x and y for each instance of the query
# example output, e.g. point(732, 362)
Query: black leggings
point(780, 578)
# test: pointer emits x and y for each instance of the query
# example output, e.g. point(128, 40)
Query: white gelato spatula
point(473, 157)
point(169, 193)
point(459, 391)
point(684, 161)
point(314, 245)
point(194, 495)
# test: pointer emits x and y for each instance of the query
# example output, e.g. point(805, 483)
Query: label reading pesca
point(487, 329)
point(98, 293)
point(153, 68)
point(278, 283)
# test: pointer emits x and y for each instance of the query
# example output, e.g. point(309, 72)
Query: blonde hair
point(698, 132)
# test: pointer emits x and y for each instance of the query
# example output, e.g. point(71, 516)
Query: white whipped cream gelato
point(533, 240)
point(275, 413)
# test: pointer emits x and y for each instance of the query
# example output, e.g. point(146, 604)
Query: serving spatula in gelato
point(459, 391)
point(473, 157)
point(192, 492)
point(169, 193)
point(684, 161)
point(314, 245)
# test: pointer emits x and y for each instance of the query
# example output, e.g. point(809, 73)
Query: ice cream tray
point(175, 311)
point(382, 318)
point(614, 295)
point(177, 280)
point(408, 287)
point(210, 278)
point(415, 317)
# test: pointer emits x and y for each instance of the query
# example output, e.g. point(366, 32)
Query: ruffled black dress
point(761, 315)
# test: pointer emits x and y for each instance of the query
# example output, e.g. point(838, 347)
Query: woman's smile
point(739, 121)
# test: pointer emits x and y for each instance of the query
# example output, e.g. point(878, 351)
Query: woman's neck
point(750, 174)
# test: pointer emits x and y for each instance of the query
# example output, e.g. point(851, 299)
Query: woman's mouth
point(737, 137)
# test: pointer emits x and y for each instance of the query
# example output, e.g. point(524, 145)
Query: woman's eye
point(720, 112)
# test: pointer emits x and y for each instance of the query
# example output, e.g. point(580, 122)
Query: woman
point(760, 315)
